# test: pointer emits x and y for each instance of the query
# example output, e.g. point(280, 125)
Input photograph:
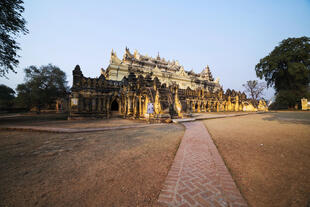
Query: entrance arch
point(114, 106)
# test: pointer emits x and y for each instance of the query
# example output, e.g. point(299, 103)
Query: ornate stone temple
point(128, 85)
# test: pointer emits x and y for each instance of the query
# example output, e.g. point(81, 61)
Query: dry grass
point(111, 168)
point(268, 156)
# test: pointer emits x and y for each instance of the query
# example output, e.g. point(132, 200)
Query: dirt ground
point(111, 168)
point(60, 121)
point(268, 156)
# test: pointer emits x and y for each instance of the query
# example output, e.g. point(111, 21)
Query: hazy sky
point(229, 36)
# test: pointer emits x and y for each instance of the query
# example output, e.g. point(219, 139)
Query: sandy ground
point(268, 156)
point(60, 121)
point(209, 114)
point(111, 168)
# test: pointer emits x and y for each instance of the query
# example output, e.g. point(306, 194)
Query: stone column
point(129, 105)
point(134, 107)
point(93, 104)
point(108, 107)
point(188, 110)
point(304, 104)
point(99, 105)
point(240, 106)
point(125, 106)
point(104, 100)
point(209, 106)
point(87, 104)
point(222, 107)
point(81, 104)
point(194, 106)
point(198, 106)
point(140, 106)
point(237, 103)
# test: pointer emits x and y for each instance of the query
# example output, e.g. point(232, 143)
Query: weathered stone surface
point(128, 85)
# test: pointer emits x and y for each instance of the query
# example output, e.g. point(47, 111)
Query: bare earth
point(268, 156)
point(111, 168)
point(60, 121)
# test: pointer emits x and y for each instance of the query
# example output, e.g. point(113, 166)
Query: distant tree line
point(42, 86)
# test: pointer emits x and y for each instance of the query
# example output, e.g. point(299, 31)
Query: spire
point(127, 50)
point(102, 71)
point(136, 54)
point(206, 74)
point(206, 70)
point(77, 71)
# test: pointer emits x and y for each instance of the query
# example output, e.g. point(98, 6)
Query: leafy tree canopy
point(11, 24)
point(7, 96)
point(6, 93)
point(287, 68)
point(42, 86)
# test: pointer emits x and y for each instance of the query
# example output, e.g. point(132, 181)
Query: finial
point(136, 54)
point(77, 67)
point(102, 71)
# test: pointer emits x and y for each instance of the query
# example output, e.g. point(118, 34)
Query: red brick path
point(198, 176)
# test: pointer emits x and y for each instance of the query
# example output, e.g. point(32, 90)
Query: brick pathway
point(198, 176)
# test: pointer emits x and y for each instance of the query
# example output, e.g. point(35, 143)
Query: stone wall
point(98, 97)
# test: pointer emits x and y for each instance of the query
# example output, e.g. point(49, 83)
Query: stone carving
point(305, 105)
point(128, 86)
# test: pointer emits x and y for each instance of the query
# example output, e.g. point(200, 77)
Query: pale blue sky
point(229, 36)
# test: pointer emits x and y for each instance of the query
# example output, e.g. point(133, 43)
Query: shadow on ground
point(294, 117)
point(30, 117)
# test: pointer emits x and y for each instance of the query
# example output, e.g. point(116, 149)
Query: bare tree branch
point(254, 90)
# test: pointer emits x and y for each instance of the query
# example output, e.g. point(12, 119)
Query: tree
point(7, 96)
point(287, 69)
point(11, 25)
point(42, 87)
point(254, 89)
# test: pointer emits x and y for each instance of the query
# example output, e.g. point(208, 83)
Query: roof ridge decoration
point(114, 59)
point(159, 64)
point(182, 72)
point(156, 70)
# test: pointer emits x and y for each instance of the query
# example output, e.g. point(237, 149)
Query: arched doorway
point(114, 106)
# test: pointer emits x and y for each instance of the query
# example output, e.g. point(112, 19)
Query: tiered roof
point(161, 63)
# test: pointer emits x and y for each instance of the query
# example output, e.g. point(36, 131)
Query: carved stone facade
point(167, 72)
point(305, 104)
point(128, 85)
